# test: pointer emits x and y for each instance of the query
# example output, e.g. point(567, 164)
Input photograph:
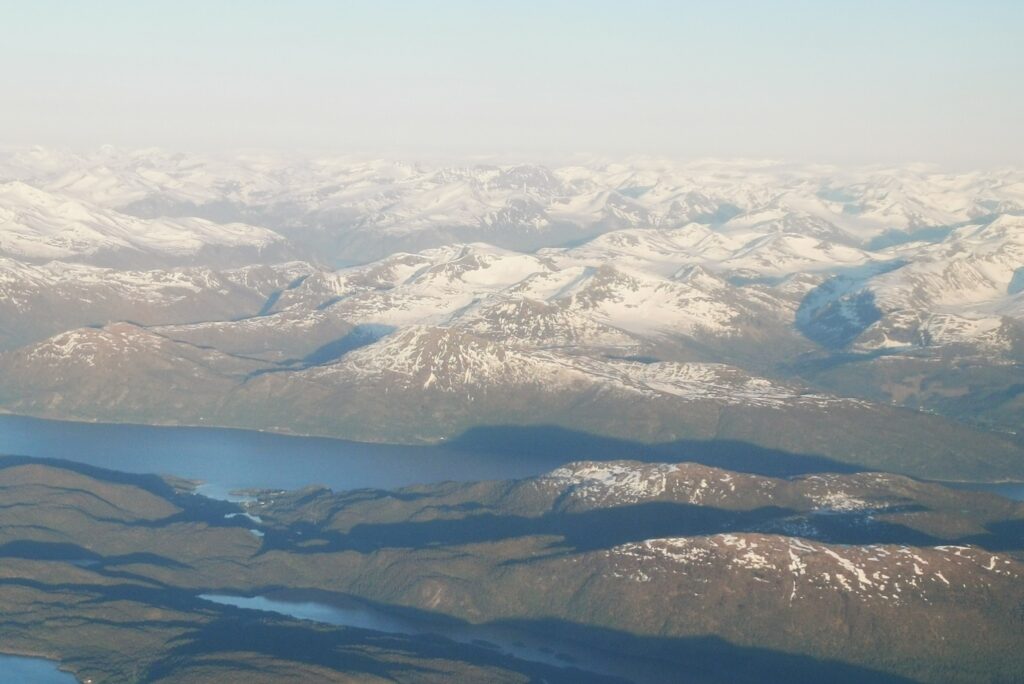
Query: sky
point(824, 81)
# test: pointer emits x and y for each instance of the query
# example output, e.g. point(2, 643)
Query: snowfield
point(705, 281)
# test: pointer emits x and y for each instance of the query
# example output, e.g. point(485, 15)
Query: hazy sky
point(825, 80)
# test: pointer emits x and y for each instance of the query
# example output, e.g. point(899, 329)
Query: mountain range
point(872, 316)
point(689, 572)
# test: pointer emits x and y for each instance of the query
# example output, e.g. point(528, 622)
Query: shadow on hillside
point(1003, 535)
point(571, 445)
point(710, 658)
point(601, 528)
point(216, 634)
point(584, 531)
point(73, 553)
point(645, 658)
point(242, 632)
point(834, 313)
point(193, 508)
point(580, 531)
point(154, 484)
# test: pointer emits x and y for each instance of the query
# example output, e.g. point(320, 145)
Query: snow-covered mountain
point(895, 569)
point(38, 226)
point(39, 300)
point(366, 209)
point(481, 289)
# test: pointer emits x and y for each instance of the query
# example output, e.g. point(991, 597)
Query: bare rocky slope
point(721, 576)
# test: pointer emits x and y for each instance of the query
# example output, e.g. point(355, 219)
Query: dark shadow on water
point(570, 445)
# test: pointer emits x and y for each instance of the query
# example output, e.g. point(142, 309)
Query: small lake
point(228, 459)
point(32, 671)
point(351, 612)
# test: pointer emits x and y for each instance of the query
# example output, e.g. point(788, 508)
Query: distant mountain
point(646, 300)
point(40, 300)
point(37, 226)
point(363, 210)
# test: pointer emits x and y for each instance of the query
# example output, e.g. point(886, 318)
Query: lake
point(228, 459)
point(32, 671)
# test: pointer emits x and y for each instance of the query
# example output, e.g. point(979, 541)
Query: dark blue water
point(32, 671)
point(240, 459)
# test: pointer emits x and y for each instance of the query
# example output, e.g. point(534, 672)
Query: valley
point(339, 419)
point(655, 562)
point(876, 309)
